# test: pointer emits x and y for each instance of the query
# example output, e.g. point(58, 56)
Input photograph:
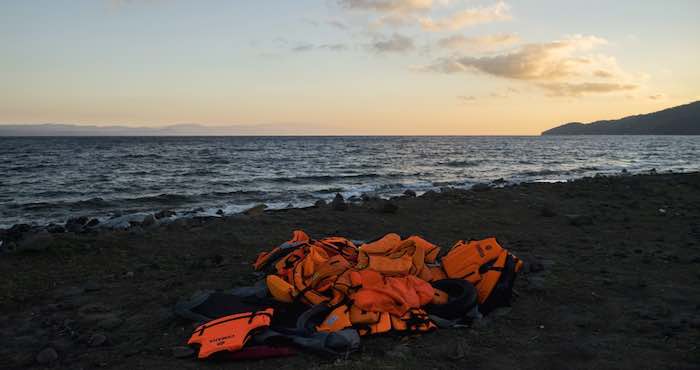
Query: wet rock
point(92, 223)
point(182, 352)
point(124, 222)
point(481, 187)
point(149, 220)
point(55, 229)
point(338, 203)
point(545, 211)
point(320, 203)
point(164, 214)
point(430, 194)
point(220, 212)
point(97, 340)
point(47, 356)
point(369, 197)
point(580, 220)
point(256, 210)
point(499, 181)
point(76, 224)
point(409, 193)
point(387, 207)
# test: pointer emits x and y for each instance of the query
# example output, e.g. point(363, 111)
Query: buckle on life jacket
point(229, 333)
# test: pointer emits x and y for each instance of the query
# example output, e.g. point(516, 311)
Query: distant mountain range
point(680, 120)
point(52, 129)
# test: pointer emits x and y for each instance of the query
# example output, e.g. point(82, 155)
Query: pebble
point(110, 323)
point(182, 352)
point(97, 340)
point(535, 266)
point(47, 356)
point(409, 193)
point(320, 203)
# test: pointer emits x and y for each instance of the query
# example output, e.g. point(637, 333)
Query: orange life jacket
point(481, 262)
point(394, 295)
point(229, 333)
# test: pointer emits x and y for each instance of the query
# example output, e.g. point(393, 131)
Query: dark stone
point(430, 194)
point(338, 203)
point(481, 187)
point(55, 229)
point(409, 193)
point(97, 340)
point(535, 266)
point(76, 225)
point(255, 211)
point(182, 352)
point(92, 223)
point(499, 181)
point(47, 356)
point(164, 214)
point(369, 197)
point(320, 203)
point(149, 220)
point(110, 323)
point(220, 212)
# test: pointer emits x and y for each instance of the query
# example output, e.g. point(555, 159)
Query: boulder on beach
point(256, 210)
point(338, 203)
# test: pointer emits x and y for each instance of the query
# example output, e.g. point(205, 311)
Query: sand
point(611, 282)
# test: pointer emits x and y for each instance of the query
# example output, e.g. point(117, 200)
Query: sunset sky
point(468, 67)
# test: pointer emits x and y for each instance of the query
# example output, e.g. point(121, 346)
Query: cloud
point(337, 24)
point(468, 17)
point(546, 61)
point(466, 98)
point(389, 6)
point(578, 89)
point(302, 48)
point(395, 44)
point(478, 43)
point(563, 67)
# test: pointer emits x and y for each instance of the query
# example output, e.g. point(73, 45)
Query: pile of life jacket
point(390, 284)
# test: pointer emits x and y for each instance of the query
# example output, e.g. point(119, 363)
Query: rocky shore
point(612, 278)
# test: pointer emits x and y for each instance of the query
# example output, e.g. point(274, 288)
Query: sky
point(406, 67)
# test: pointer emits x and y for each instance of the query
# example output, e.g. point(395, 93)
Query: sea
point(48, 180)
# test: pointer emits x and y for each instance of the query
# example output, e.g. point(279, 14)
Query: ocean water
point(46, 180)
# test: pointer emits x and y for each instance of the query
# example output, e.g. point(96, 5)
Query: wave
point(463, 163)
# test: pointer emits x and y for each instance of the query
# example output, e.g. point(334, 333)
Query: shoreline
point(125, 219)
point(611, 279)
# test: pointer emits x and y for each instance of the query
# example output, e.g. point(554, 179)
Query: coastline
point(611, 278)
